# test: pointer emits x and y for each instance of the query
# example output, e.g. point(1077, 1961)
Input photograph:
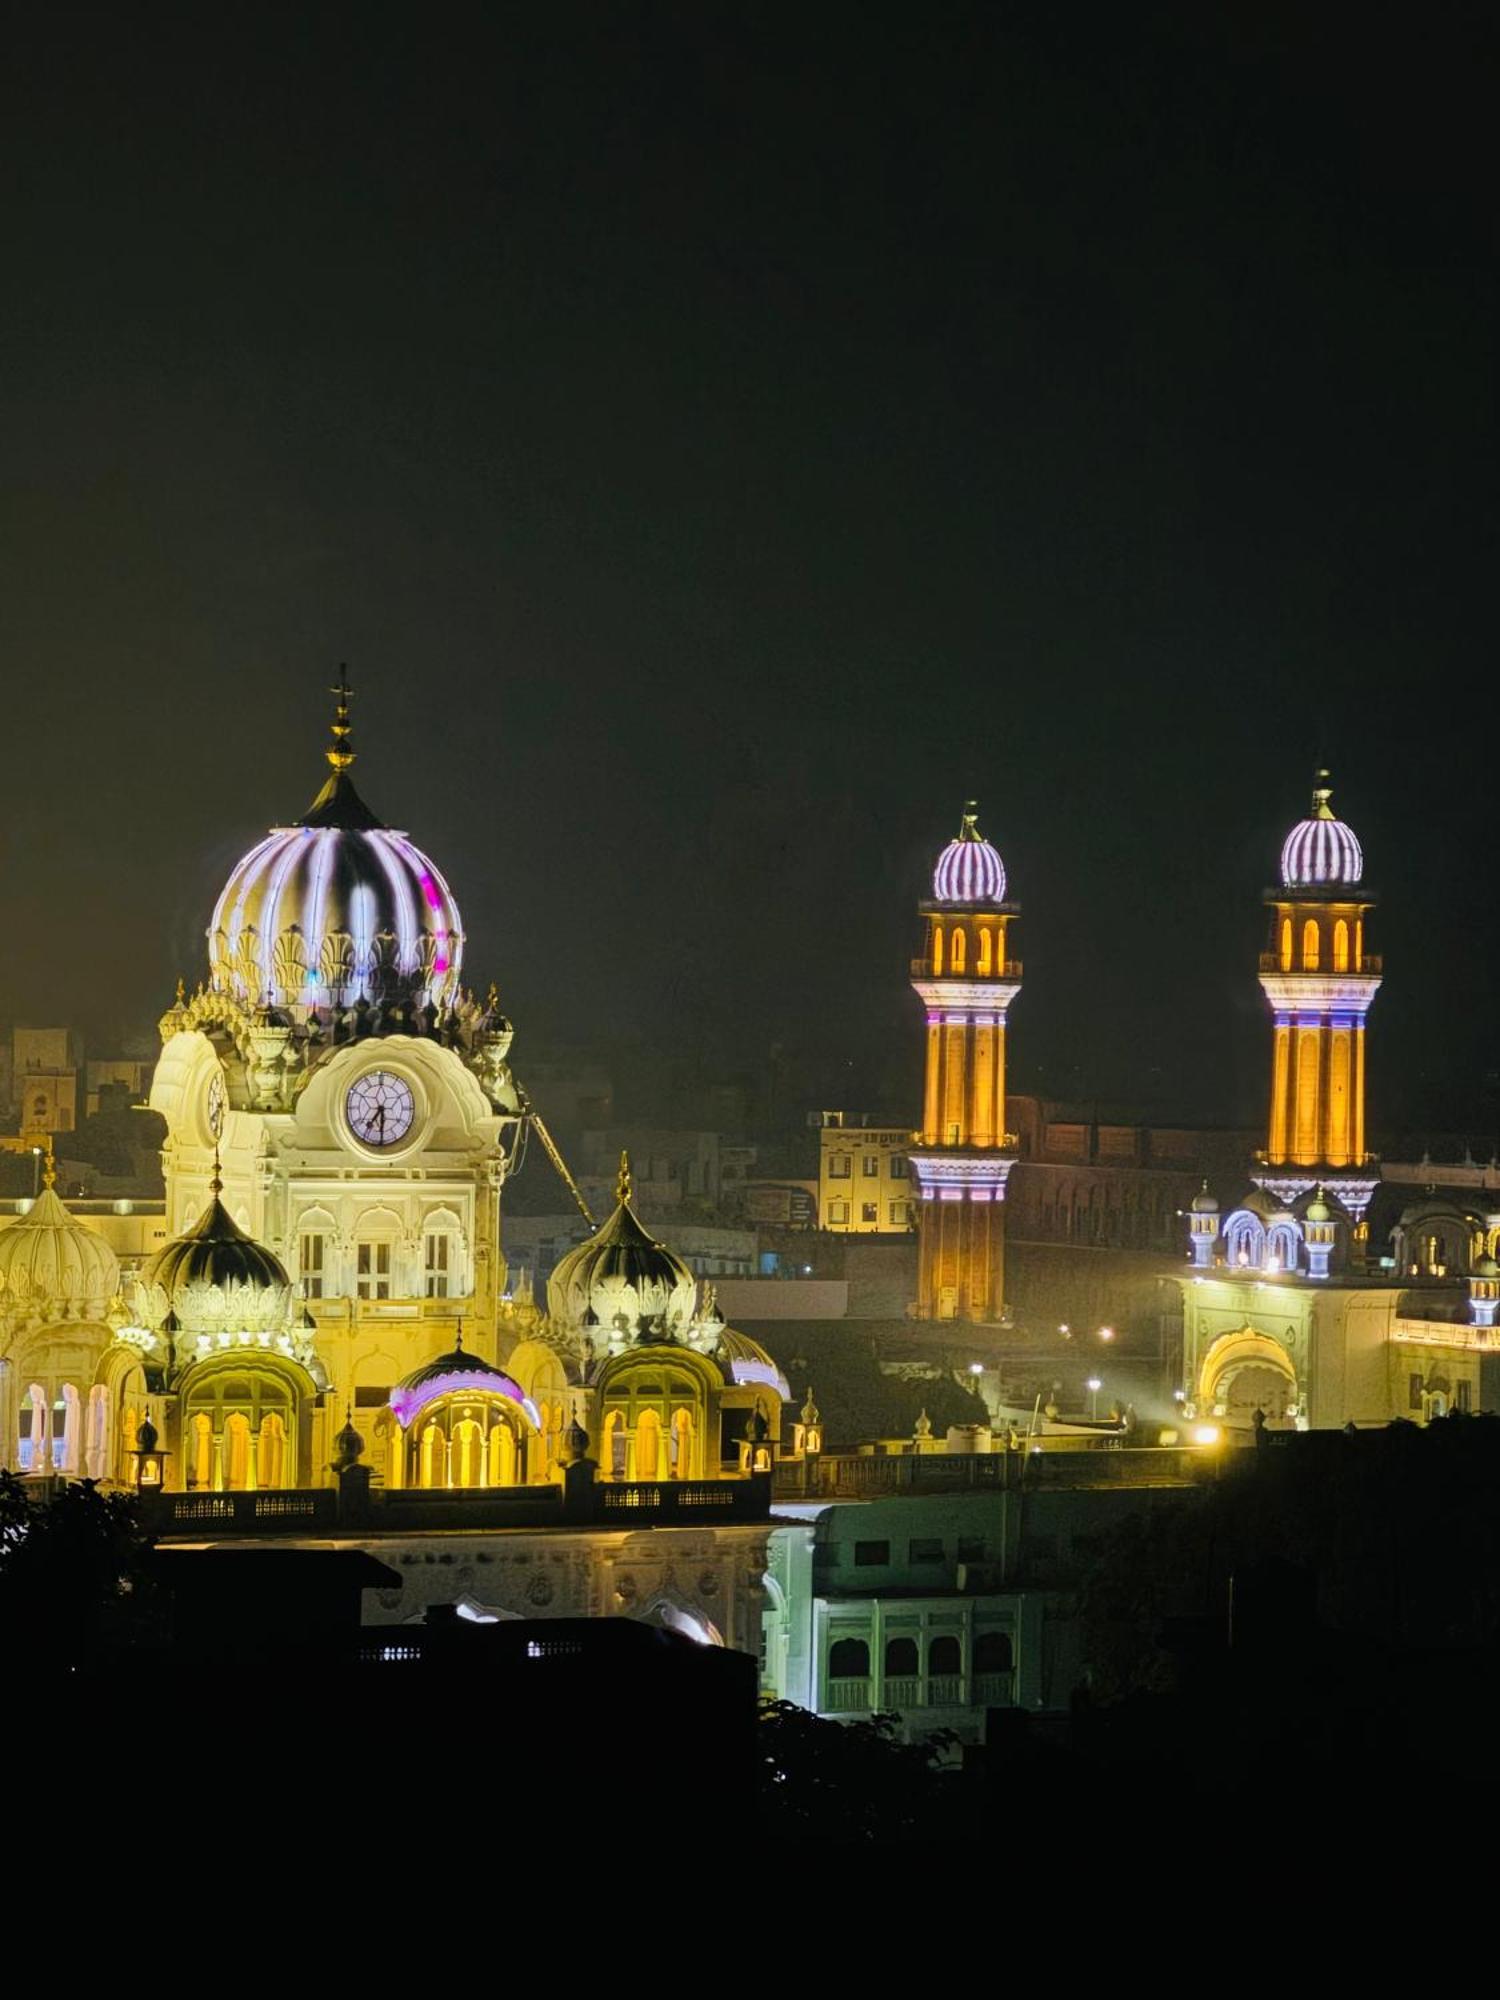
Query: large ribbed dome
point(53, 1268)
point(969, 870)
point(622, 1280)
point(336, 909)
point(214, 1279)
point(1321, 852)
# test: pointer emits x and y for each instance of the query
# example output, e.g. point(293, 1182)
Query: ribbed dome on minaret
point(1321, 851)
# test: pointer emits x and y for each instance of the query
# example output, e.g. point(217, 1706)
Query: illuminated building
point(1284, 1310)
point(966, 981)
point(864, 1180)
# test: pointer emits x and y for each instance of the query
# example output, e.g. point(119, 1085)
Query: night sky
point(720, 440)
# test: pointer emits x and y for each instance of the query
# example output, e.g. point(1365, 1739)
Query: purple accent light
point(969, 870)
point(409, 1403)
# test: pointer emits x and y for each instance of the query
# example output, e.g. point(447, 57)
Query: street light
point(976, 1367)
point(1065, 1330)
point(1093, 1385)
point(1106, 1333)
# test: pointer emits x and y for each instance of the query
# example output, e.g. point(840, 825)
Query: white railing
point(902, 1691)
point(848, 1697)
point(945, 1690)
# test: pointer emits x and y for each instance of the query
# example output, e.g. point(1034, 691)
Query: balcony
point(848, 1698)
point(412, 1510)
point(1369, 967)
point(921, 968)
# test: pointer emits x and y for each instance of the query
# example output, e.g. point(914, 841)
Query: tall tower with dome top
point(1320, 982)
point(966, 981)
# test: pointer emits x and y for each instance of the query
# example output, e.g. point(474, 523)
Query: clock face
point(215, 1105)
point(380, 1108)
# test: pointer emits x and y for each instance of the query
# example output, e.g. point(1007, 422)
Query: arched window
point(271, 1451)
point(67, 1429)
point(986, 952)
point(1286, 944)
point(468, 1453)
point(958, 952)
point(613, 1460)
point(848, 1660)
point(1283, 1247)
point(1310, 946)
point(937, 947)
point(237, 1452)
point(125, 1461)
point(201, 1464)
point(681, 1444)
point(434, 1456)
point(503, 1454)
point(944, 1655)
point(34, 1430)
point(96, 1442)
point(992, 1653)
point(648, 1445)
point(1341, 946)
point(901, 1656)
point(1245, 1238)
point(437, 1262)
point(312, 1263)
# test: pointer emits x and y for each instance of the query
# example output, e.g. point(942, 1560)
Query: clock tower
point(357, 1097)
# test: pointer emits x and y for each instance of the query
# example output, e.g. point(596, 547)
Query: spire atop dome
point(625, 1181)
point(1322, 793)
point(49, 1164)
point(338, 804)
point(341, 753)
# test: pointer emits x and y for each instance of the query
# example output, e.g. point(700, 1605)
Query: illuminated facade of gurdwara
point(341, 1116)
point(962, 1155)
point(1286, 1309)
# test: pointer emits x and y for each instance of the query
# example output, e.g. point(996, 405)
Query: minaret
point(1320, 983)
point(963, 1153)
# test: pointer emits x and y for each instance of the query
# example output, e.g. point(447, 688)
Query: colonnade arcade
point(467, 1438)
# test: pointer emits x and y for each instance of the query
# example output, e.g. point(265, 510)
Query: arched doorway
point(1244, 1372)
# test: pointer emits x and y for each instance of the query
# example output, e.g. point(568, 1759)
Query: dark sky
point(722, 439)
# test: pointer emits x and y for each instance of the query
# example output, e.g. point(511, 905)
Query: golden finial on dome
point(625, 1185)
point(1322, 793)
point(49, 1164)
point(216, 1179)
point(492, 998)
point(969, 830)
point(340, 753)
point(181, 991)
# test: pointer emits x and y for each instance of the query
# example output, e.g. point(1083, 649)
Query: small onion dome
point(969, 870)
point(52, 1267)
point(745, 1360)
point(1204, 1202)
point(623, 1276)
point(1321, 851)
point(338, 909)
point(452, 1374)
point(1318, 1209)
point(348, 1445)
point(215, 1278)
point(1487, 1268)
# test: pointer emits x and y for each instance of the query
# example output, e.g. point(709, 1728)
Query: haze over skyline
point(720, 445)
